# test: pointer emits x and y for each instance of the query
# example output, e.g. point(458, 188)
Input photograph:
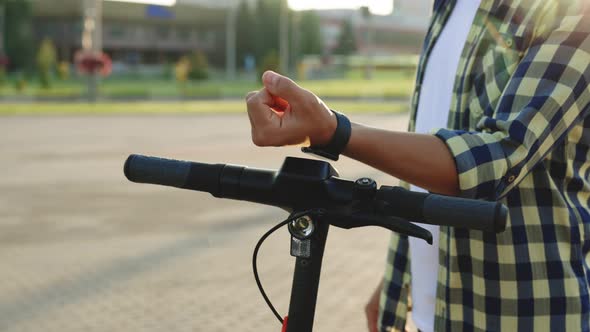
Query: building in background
point(137, 33)
point(402, 32)
point(147, 34)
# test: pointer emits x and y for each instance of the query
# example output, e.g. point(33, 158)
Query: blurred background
point(84, 83)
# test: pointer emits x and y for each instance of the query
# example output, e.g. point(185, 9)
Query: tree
point(199, 66)
point(346, 40)
point(270, 61)
point(245, 32)
point(311, 40)
point(181, 70)
point(19, 34)
point(267, 27)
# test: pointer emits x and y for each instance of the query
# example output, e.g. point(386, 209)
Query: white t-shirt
point(433, 112)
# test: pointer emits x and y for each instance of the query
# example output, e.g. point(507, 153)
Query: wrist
point(326, 131)
point(338, 141)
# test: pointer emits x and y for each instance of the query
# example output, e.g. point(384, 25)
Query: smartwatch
point(337, 144)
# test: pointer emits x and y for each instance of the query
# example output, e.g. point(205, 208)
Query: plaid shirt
point(520, 134)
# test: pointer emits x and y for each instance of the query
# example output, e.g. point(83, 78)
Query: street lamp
point(91, 44)
point(230, 40)
point(1, 28)
point(91, 60)
point(284, 37)
point(369, 38)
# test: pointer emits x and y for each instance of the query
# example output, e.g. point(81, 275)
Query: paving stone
point(82, 249)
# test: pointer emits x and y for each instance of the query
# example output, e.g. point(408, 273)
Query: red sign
point(93, 63)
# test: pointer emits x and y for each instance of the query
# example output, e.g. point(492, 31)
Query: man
point(518, 132)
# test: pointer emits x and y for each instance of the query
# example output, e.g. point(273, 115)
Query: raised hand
point(283, 113)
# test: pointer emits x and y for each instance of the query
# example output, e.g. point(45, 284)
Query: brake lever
point(398, 225)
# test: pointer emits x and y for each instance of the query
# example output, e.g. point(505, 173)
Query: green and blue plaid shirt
point(519, 131)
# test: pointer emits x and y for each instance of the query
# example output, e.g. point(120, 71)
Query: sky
point(378, 7)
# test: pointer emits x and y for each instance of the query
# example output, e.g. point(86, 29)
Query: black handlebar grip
point(444, 210)
point(174, 173)
point(465, 213)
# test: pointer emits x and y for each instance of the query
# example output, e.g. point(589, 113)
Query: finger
point(282, 86)
point(263, 119)
point(262, 96)
point(279, 104)
point(260, 115)
point(371, 315)
point(372, 325)
point(270, 133)
point(250, 95)
point(276, 103)
point(259, 106)
point(373, 328)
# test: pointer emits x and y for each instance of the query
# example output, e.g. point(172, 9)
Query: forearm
point(420, 159)
point(423, 160)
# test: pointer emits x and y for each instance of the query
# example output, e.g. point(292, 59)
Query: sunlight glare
point(150, 2)
point(377, 7)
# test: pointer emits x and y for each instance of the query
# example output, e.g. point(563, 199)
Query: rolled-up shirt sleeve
point(546, 96)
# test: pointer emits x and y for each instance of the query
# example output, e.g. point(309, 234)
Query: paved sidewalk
point(82, 249)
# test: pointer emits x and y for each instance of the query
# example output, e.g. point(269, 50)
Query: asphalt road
point(83, 249)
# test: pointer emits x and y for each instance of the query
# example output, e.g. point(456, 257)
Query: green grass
point(385, 84)
point(194, 107)
point(359, 88)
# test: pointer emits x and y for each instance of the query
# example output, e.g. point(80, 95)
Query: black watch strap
point(337, 144)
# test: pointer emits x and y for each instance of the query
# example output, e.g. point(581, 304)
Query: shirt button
point(509, 43)
point(511, 178)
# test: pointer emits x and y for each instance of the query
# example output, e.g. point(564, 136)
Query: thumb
point(281, 86)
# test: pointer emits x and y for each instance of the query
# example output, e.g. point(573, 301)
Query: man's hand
point(372, 309)
point(283, 113)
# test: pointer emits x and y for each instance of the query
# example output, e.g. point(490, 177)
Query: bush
point(20, 84)
point(199, 67)
point(270, 62)
point(46, 59)
point(63, 70)
point(181, 69)
point(2, 76)
point(168, 71)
